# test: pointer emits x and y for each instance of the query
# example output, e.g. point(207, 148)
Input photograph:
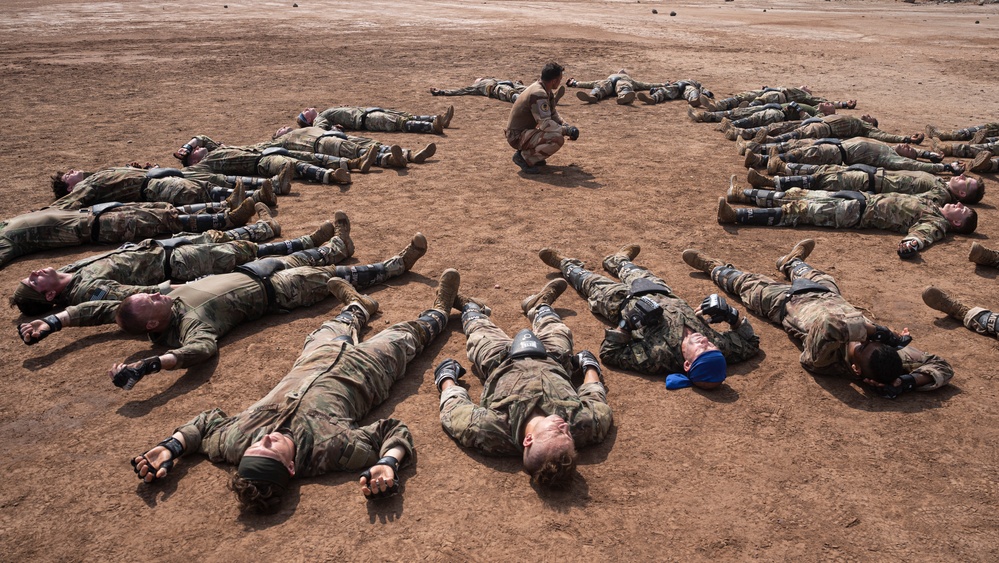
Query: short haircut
point(261, 497)
point(128, 318)
point(551, 70)
point(59, 186)
point(29, 301)
point(968, 226)
point(874, 121)
point(885, 364)
point(975, 196)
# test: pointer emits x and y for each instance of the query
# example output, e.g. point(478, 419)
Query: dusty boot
point(445, 117)
point(241, 214)
point(447, 290)
point(939, 300)
point(558, 94)
point(775, 164)
point(587, 97)
point(325, 232)
point(701, 116)
point(944, 148)
point(758, 180)
point(626, 98)
point(754, 160)
point(547, 296)
point(984, 256)
point(437, 125)
point(462, 302)
point(281, 183)
point(699, 261)
point(726, 213)
point(236, 197)
point(614, 263)
point(404, 261)
point(363, 163)
point(739, 195)
point(346, 294)
point(421, 156)
point(800, 252)
point(726, 125)
point(264, 216)
point(265, 194)
point(745, 147)
point(984, 162)
point(646, 99)
point(341, 229)
point(932, 132)
point(551, 257)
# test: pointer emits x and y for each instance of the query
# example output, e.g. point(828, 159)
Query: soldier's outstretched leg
point(760, 294)
point(370, 274)
point(761, 217)
point(532, 305)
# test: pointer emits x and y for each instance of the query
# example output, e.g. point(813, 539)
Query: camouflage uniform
point(131, 184)
point(656, 350)
point(334, 383)
point(787, 95)
point(617, 84)
point(146, 267)
point(758, 116)
point(514, 388)
point(919, 216)
point(207, 309)
point(823, 321)
point(834, 178)
point(842, 126)
point(687, 89)
point(313, 145)
point(363, 119)
point(60, 228)
point(535, 127)
point(860, 151)
point(237, 161)
point(503, 90)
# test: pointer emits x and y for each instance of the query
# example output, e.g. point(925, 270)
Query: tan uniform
point(535, 127)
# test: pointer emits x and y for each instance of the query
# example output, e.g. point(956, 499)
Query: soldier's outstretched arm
point(127, 375)
point(381, 479)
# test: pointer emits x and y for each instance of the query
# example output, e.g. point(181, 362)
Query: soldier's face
point(956, 213)
point(962, 186)
point(72, 178)
point(196, 156)
point(309, 115)
point(905, 150)
point(277, 446)
point(43, 280)
point(693, 345)
point(153, 306)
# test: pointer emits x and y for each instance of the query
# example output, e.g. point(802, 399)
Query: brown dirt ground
point(778, 465)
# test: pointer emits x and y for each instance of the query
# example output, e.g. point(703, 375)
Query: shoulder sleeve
point(473, 426)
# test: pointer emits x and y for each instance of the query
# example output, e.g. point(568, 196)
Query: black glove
point(129, 376)
point(885, 335)
point(585, 360)
point(717, 309)
point(176, 450)
point(908, 249)
point(55, 325)
point(448, 369)
point(396, 480)
point(908, 383)
point(572, 132)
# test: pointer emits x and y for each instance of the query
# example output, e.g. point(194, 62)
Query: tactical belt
point(801, 285)
point(364, 116)
point(263, 278)
point(97, 211)
point(168, 245)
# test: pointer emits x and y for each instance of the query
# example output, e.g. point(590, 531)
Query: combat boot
point(933, 133)
point(447, 290)
point(265, 194)
point(352, 299)
point(701, 262)
point(646, 99)
point(526, 168)
point(551, 257)
point(758, 180)
point(264, 216)
point(984, 163)
point(946, 149)
point(463, 302)
point(726, 125)
point(622, 259)
point(558, 94)
point(237, 196)
point(587, 97)
point(979, 137)
point(800, 252)
point(776, 166)
point(743, 146)
point(760, 217)
point(324, 233)
point(363, 163)
point(939, 300)
point(981, 255)
point(281, 183)
point(341, 230)
point(726, 213)
point(405, 260)
point(754, 160)
point(241, 214)
point(738, 195)
point(445, 118)
point(625, 98)
point(547, 296)
point(701, 116)
point(421, 156)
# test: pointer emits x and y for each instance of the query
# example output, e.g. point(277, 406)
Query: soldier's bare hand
point(35, 330)
point(382, 479)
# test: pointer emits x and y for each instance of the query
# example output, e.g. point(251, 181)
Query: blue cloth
point(708, 367)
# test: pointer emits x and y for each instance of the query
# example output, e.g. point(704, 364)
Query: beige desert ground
point(777, 465)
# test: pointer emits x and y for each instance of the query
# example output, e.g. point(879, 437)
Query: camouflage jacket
point(656, 350)
point(846, 126)
point(128, 184)
point(348, 117)
point(510, 395)
point(832, 177)
point(826, 323)
point(920, 216)
point(238, 161)
point(534, 108)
